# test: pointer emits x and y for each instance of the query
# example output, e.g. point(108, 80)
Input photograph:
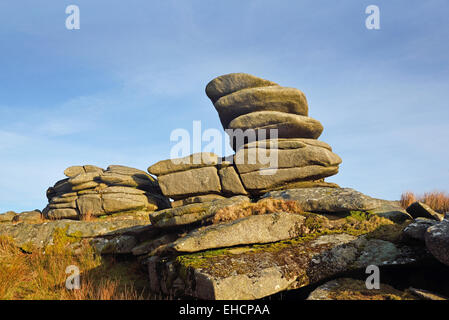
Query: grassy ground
point(42, 275)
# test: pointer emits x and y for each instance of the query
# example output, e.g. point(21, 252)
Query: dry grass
point(264, 206)
point(87, 216)
point(437, 200)
point(407, 198)
point(41, 275)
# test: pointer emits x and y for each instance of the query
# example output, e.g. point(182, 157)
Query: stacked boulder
point(92, 191)
point(288, 157)
point(249, 109)
point(201, 177)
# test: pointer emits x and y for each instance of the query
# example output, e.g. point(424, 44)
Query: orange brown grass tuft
point(407, 198)
point(437, 200)
point(41, 275)
point(264, 206)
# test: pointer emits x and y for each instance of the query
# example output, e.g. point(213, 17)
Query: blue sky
point(112, 92)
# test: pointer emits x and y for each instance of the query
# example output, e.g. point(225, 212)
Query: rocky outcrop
point(198, 178)
point(246, 226)
point(249, 113)
point(90, 191)
point(117, 235)
point(34, 216)
point(192, 213)
point(253, 272)
point(249, 106)
point(324, 199)
point(250, 230)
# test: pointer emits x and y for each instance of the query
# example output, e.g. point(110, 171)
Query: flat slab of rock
point(232, 82)
point(76, 170)
point(271, 179)
point(192, 213)
point(287, 125)
point(196, 199)
point(249, 230)
point(419, 209)
point(191, 182)
point(293, 143)
point(65, 213)
point(252, 159)
point(40, 235)
point(196, 160)
point(252, 100)
point(327, 199)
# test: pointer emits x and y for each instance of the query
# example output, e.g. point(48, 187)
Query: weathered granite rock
point(7, 216)
point(249, 230)
point(258, 271)
point(352, 289)
point(60, 187)
point(67, 213)
point(293, 143)
point(437, 240)
point(125, 202)
point(144, 182)
point(417, 229)
point(189, 183)
point(287, 125)
point(419, 209)
point(28, 216)
point(122, 244)
point(196, 199)
point(192, 213)
point(391, 210)
point(377, 252)
point(230, 181)
point(90, 205)
point(92, 191)
point(253, 100)
point(30, 236)
point(76, 170)
point(229, 83)
point(151, 245)
point(252, 159)
point(194, 161)
point(84, 178)
point(296, 185)
point(275, 178)
point(327, 199)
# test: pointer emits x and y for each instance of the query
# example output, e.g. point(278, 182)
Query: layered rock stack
point(249, 106)
point(92, 191)
point(249, 109)
point(201, 177)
